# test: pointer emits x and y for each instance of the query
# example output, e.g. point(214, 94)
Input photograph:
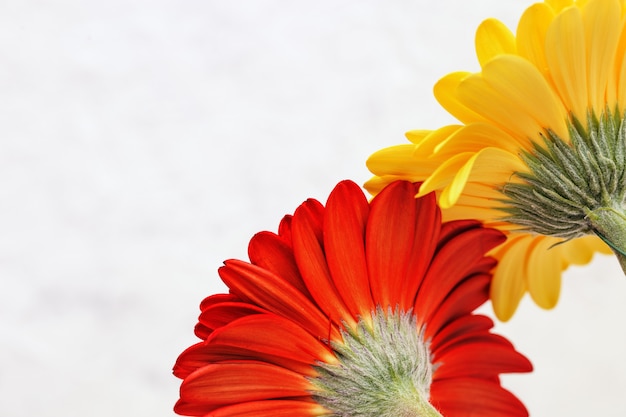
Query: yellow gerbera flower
point(541, 149)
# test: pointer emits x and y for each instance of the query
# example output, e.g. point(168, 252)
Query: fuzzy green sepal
point(384, 370)
point(569, 179)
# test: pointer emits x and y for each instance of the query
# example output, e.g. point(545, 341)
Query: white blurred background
point(144, 142)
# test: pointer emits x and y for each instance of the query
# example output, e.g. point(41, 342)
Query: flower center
point(575, 187)
point(384, 370)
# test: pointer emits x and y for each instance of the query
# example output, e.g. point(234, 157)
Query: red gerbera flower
point(354, 309)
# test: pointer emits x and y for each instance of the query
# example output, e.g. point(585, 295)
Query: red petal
point(306, 229)
point(273, 253)
point(219, 314)
point(284, 229)
point(453, 261)
point(485, 356)
point(344, 240)
point(189, 361)
point(203, 354)
point(464, 325)
point(263, 337)
point(464, 299)
point(454, 228)
point(216, 299)
point(389, 241)
point(202, 329)
point(221, 384)
point(466, 337)
point(470, 397)
point(276, 295)
point(269, 337)
point(426, 237)
point(272, 408)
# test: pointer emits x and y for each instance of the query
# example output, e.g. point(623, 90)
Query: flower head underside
point(354, 309)
point(539, 152)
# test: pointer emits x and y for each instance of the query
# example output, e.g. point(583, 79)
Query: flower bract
point(539, 152)
point(354, 308)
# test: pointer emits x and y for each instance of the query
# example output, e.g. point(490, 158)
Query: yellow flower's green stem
point(609, 223)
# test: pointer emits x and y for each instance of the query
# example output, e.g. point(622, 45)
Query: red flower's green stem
point(417, 406)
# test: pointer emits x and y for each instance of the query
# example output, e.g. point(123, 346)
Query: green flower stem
point(427, 411)
point(609, 223)
point(416, 405)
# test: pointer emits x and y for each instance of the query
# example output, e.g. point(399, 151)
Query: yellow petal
point(462, 212)
point(595, 244)
point(492, 39)
point(478, 201)
point(508, 284)
point(416, 136)
point(427, 145)
point(444, 174)
point(558, 5)
point(618, 78)
point(489, 165)
point(531, 35)
point(480, 190)
point(544, 267)
point(502, 111)
point(445, 92)
point(566, 57)
point(580, 251)
point(474, 137)
point(525, 86)
point(376, 184)
point(398, 160)
point(602, 29)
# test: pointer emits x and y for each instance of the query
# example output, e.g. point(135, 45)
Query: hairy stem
point(609, 223)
